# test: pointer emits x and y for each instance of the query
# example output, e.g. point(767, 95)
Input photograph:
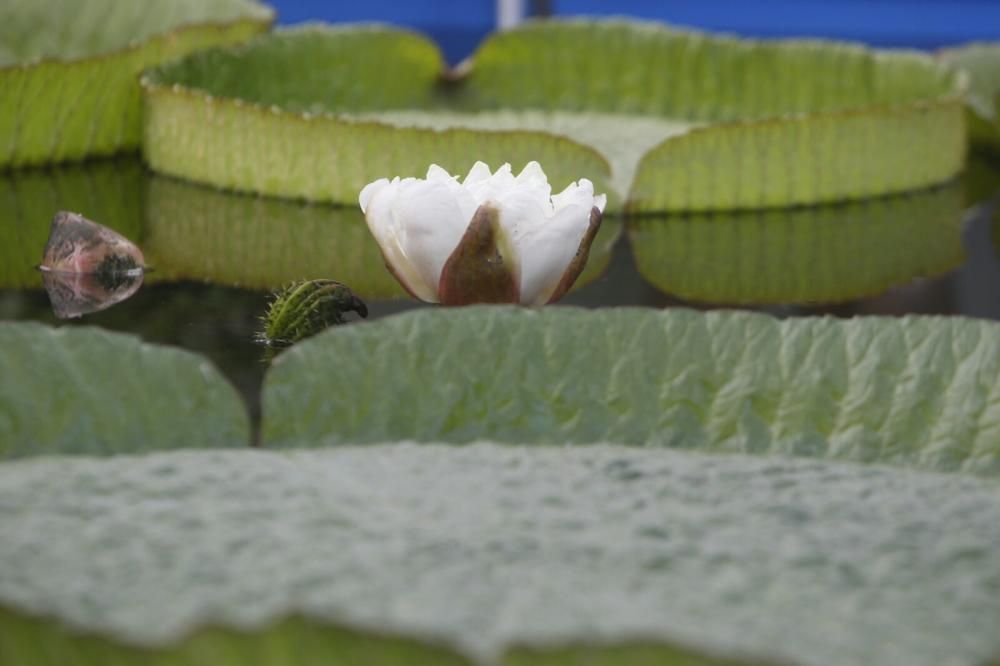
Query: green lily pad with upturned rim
point(69, 70)
point(769, 123)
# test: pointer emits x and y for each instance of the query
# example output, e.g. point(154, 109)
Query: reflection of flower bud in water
point(88, 267)
point(77, 245)
point(76, 294)
point(305, 308)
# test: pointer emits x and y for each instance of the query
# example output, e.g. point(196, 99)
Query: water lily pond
point(276, 389)
point(217, 257)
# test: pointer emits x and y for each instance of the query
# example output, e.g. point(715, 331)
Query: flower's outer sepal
point(479, 270)
point(579, 261)
point(77, 245)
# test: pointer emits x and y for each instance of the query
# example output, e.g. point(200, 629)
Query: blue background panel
point(459, 26)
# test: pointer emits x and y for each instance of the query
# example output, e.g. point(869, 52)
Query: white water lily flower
point(493, 238)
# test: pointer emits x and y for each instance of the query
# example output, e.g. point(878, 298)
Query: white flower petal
point(601, 200)
point(491, 188)
point(478, 173)
point(546, 250)
point(378, 200)
point(431, 220)
point(434, 172)
point(580, 193)
point(532, 173)
point(369, 191)
point(521, 211)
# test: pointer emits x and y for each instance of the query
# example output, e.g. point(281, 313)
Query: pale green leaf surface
point(485, 548)
point(916, 391)
point(86, 391)
point(618, 137)
point(802, 255)
point(109, 192)
point(251, 119)
point(648, 68)
point(69, 69)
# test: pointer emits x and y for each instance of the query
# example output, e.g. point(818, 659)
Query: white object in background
point(509, 13)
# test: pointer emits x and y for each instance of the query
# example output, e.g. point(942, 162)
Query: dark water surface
point(217, 256)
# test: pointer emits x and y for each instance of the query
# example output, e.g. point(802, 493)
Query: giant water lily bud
point(78, 245)
point(493, 238)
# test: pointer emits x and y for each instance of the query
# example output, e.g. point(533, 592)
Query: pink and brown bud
point(77, 245)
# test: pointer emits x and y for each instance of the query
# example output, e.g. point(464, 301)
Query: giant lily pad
point(801, 255)
point(68, 69)
point(918, 391)
point(704, 122)
point(82, 390)
point(495, 555)
point(982, 63)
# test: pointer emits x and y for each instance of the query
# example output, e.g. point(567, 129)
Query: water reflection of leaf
point(812, 255)
point(76, 294)
point(106, 191)
point(200, 233)
point(195, 232)
point(981, 178)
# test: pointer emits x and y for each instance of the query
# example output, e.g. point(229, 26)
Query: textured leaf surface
point(245, 118)
point(982, 64)
point(107, 191)
point(82, 390)
point(801, 255)
point(917, 391)
point(68, 69)
point(485, 548)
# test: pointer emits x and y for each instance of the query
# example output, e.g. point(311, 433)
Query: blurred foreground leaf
point(428, 555)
